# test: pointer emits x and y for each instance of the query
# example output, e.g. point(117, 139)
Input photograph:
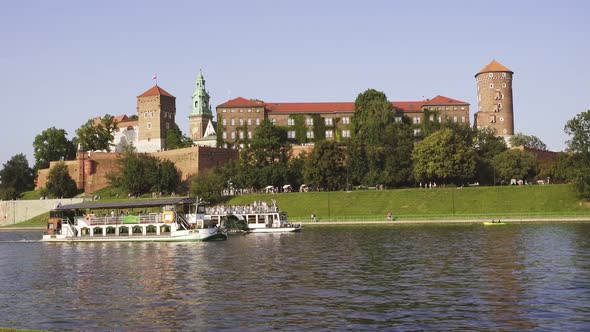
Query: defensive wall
point(12, 212)
point(90, 169)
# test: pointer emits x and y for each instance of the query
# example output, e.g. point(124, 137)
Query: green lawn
point(443, 203)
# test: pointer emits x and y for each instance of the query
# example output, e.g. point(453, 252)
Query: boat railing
point(242, 209)
point(152, 218)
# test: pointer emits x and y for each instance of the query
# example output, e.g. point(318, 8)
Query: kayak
point(493, 223)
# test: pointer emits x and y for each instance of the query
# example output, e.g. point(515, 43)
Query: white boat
point(258, 217)
point(178, 219)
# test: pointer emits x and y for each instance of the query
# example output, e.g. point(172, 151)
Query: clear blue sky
point(63, 62)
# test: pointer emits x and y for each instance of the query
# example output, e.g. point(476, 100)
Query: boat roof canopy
point(125, 205)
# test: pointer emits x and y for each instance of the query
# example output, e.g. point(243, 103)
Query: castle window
point(257, 110)
point(232, 110)
point(416, 120)
point(492, 118)
point(233, 122)
point(498, 95)
point(463, 118)
point(491, 85)
point(167, 125)
point(249, 122)
point(152, 114)
point(491, 75)
point(145, 114)
point(309, 134)
point(273, 121)
point(439, 118)
point(503, 74)
point(223, 110)
point(329, 134)
point(241, 122)
point(224, 135)
point(455, 119)
point(290, 122)
point(503, 85)
point(328, 121)
point(501, 119)
point(398, 119)
point(249, 110)
point(233, 135)
point(241, 110)
point(345, 120)
point(224, 122)
point(149, 125)
point(250, 135)
point(241, 134)
point(309, 121)
point(500, 106)
point(291, 134)
point(346, 133)
point(431, 117)
point(258, 122)
point(416, 132)
point(462, 107)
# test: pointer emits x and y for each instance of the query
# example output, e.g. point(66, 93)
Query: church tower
point(200, 110)
point(494, 98)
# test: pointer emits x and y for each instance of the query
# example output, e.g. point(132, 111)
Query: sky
point(64, 62)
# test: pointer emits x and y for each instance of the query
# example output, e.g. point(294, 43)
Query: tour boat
point(176, 219)
point(257, 218)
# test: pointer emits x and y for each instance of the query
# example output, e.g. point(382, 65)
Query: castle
point(239, 117)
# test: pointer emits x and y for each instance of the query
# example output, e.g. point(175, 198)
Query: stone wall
point(13, 212)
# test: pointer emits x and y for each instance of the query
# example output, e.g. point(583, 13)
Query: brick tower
point(156, 110)
point(200, 110)
point(494, 98)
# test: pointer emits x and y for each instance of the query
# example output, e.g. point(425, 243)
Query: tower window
point(503, 85)
point(167, 125)
point(501, 119)
point(152, 114)
point(492, 118)
point(491, 85)
point(503, 74)
point(145, 114)
point(491, 75)
point(149, 125)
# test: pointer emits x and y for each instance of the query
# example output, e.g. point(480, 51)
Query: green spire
point(200, 104)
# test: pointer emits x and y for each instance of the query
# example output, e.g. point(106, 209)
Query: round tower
point(494, 99)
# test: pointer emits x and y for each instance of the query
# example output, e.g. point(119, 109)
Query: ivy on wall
point(319, 127)
point(220, 130)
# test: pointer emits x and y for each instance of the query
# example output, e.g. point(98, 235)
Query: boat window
point(201, 209)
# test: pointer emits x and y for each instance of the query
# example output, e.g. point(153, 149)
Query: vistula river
point(520, 277)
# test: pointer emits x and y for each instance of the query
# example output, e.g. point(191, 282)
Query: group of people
point(428, 185)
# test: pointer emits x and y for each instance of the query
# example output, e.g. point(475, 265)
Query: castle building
point(308, 122)
point(201, 125)
point(494, 98)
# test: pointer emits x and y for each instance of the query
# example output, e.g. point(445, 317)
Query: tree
point(444, 156)
point(372, 112)
point(487, 146)
point(52, 145)
point(208, 187)
point(97, 134)
point(579, 144)
point(141, 173)
point(515, 164)
point(528, 141)
point(175, 139)
point(60, 183)
point(325, 166)
point(16, 177)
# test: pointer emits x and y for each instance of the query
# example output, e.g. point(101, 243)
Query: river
point(520, 277)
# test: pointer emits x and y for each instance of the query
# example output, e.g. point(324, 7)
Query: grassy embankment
point(415, 204)
point(441, 203)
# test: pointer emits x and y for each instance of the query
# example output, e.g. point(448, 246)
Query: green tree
point(60, 183)
point(487, 146)
point(52, 145)
point(578, 129)
point(16, 177)
point(528, 141)
point(325, 166)
point(444, 157)
point(515, 164)
point(175, 139)
point(141, 173)
point(372, 113)
point(97, 134)
point(208, 187)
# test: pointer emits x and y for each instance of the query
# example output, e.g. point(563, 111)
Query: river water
point(519, 277)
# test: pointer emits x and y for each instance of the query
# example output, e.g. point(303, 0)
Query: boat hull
point(488, 223)
point(192, 237)
point(275, 230)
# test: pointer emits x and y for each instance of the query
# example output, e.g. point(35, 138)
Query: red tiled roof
point(241, 102)
point(494, 66)
point(156, 91)
point(338, 107)
point(442, 100)
point(309, 107)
